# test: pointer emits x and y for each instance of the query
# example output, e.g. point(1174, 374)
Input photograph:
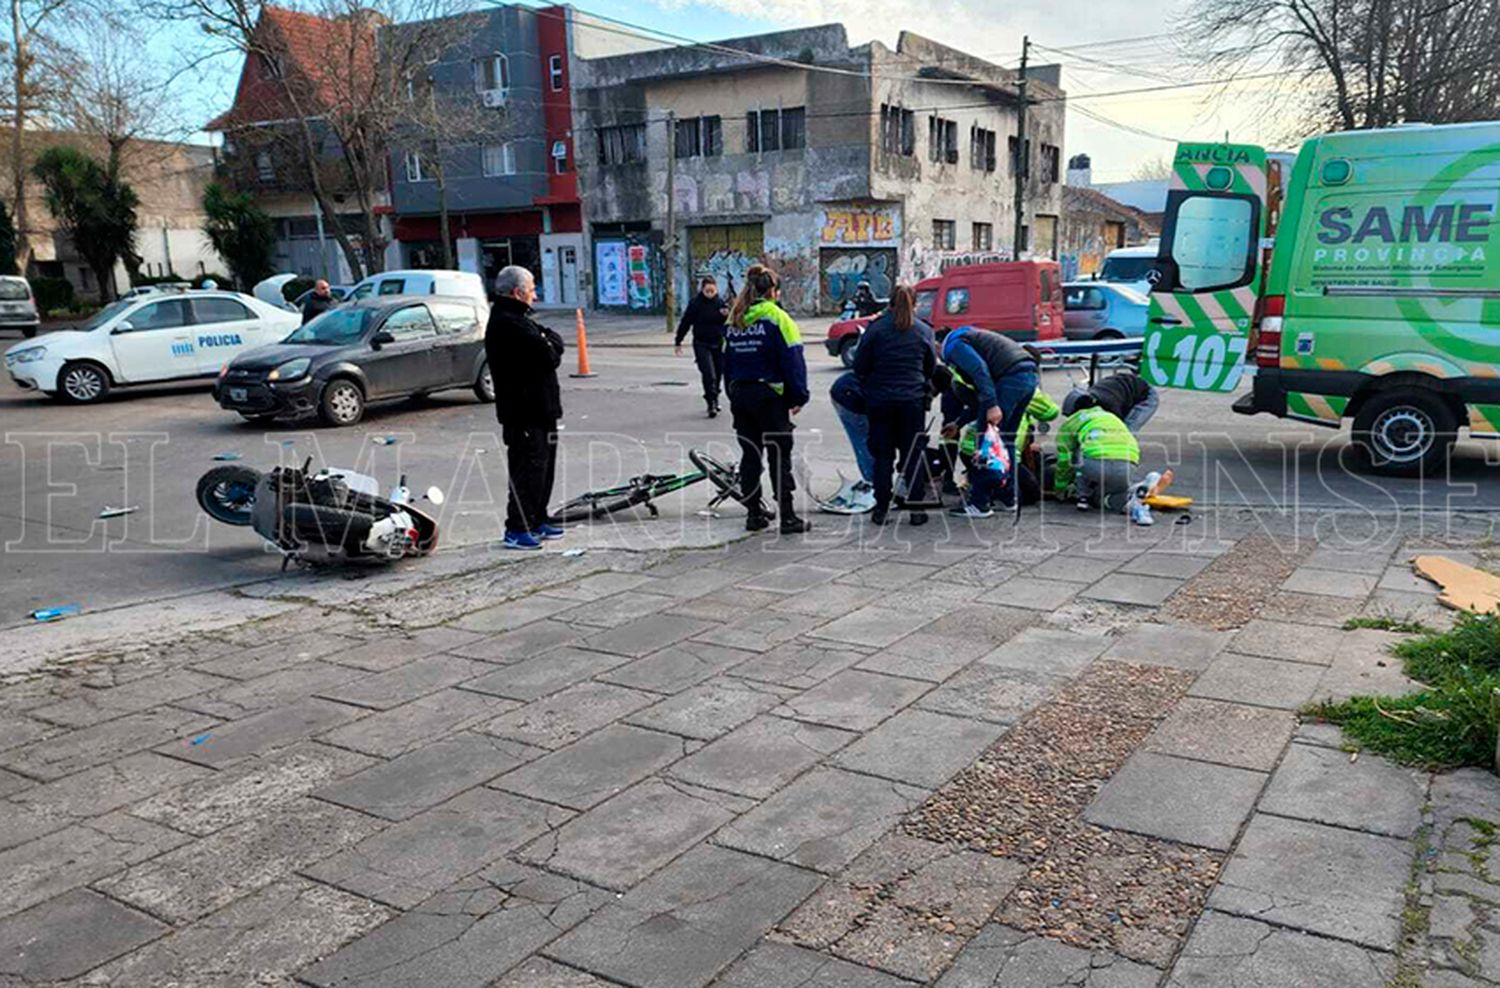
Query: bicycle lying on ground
point(643, 490)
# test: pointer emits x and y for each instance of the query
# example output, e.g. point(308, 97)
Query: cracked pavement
point(838, 761)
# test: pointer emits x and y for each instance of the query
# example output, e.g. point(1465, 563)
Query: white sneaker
point(970, 511)
point(1140, 513)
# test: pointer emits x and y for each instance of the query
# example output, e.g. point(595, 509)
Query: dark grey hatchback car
point(376, 349)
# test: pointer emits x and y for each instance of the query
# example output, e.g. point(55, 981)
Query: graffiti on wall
point(856, 226)
point(923, 263)
point(638, 276)
point(843, 270)
point(609, 267)
point(727, 268)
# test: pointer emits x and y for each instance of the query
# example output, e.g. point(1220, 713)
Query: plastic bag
point(991, 456)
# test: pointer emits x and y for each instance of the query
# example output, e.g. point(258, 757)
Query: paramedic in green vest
point(1095, 456)
point(996, 377)
point(765, 376)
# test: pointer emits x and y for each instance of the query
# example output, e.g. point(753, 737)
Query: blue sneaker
point(547, 532)
point(521, 540)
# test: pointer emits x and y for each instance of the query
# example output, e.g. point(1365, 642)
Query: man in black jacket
point(523, 357)
point(1125, 395)
point(319, 302)
point(704, 318)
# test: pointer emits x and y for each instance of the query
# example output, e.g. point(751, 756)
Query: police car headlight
point(26, 356)
point(291, 370)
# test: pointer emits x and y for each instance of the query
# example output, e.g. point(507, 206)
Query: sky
point(1119, 133)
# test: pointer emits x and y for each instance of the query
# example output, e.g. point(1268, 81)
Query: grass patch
point(1448, 724)
point(1389, 624)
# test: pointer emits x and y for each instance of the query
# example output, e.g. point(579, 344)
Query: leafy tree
point(92, 206)
point(7, 243)
point(242, 233)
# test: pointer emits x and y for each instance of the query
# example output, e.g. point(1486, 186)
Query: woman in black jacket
point(704, 318)
point(894, 363)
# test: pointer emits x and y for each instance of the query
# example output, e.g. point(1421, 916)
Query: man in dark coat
point(523, 357)
point(704, 318)
point(319, 302)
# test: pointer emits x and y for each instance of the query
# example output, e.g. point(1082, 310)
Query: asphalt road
point(61, 465)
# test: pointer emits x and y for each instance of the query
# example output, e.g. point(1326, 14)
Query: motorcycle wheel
point(227, 494)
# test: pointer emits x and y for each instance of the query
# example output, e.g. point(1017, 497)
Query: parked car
point(1131, 266)
point(464, 284)
point(145, 340)
point(1022, 299)
point(160, 288)
point(1096, 310)
point(369, 350)
point(18, 305)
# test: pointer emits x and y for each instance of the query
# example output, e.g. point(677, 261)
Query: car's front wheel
point(848, 349)
point(484, 387)
point(343, 403)
point(82, 383)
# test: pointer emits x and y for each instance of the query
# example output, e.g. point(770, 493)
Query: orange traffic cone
point(583, 347)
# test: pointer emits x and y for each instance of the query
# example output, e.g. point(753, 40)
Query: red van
point(1022, 299)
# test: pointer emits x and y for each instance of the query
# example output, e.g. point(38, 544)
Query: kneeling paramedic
point(766, 378)
point(1095, 455)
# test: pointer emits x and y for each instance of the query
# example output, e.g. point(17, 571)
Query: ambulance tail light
point(1268, 348)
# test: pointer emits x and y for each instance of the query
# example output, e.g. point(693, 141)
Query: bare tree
point(1354, 64)
point(1152, 170)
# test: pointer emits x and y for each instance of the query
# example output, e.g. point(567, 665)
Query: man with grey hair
point(523, 357)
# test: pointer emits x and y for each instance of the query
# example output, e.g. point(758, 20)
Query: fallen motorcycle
point(326, 516)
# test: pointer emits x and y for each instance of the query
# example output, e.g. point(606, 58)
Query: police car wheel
point(343, 403)
point(82, 383)
point(1405, 433)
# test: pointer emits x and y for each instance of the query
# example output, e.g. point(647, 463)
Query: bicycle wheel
point(725, 479)
point(597, 504)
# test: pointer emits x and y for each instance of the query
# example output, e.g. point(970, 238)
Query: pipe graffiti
point(843, 270)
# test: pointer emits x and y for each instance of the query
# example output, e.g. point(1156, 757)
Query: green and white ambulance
point(1364, 278)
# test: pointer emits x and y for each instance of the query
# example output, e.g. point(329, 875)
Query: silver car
point(17, 306)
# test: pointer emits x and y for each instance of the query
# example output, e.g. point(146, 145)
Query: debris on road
point(384, 440)
point(226, 456)
point(1465, 588)
point(55, 613)
point(573, 553)
point(109, 512)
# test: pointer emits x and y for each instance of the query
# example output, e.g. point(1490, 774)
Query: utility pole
point(671, 238)
point(1021, 164)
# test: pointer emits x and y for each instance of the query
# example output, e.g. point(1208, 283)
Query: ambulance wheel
point(1405, 433)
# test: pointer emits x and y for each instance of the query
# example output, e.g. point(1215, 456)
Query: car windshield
point(334, 328)
point(924, 303)
point(1126, 268)
point(107, 313)
point(14, 291)
point(1131, 295)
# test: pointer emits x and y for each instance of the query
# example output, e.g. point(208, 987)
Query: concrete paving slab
point(711, 709)
point(541, 675)
point(677, 667)
point(1031, 593)
point(225, 744)
point(760, 631)
point(1371, 794)
point(823, 820)
point(539, 972)
point(627, 837)
point(1260, 682)
point(1134, 589)
point(259, 660)
point(1178, 646)
point(386, 651)
point(525, 642)
point(232, 699)
point(64, 937)
point(432, 774)
point(1230, 950)
point(782, 965)
point(919, 747)
point(762, 756)
point(688, 922)
point(989, 693)
point(1048, 652)
point(562, 718)
point(1176, 799)
point(645, 635)
point(52, 757)
point(1224, 733)
point(404, 864)
point(91, 706)
point(1286, 607)
point(888, 574)
point(1371, 561)
point(597, 586)
point(1000, 955)
point(1329, 583)
point(620, 608)
point(925, 656)
point(595, 768)
point(799, 664)
point(1076, 568)
point(828, 600)
point(1364, 667)
point(44, 808)
point(1288, 642)
point(1166, 564)
point(853, 700)
point(792, 578)
point(513, 614)
point(392, 733)
point(1326, 880)
point(51, 865)
point(196, 879)
point(871, 627)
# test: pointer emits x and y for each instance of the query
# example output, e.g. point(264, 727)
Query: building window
point(1020, 164)
point(776, 130)
point(491, 73)
point(499, 159)
point(418, 169)
point(622, 145)
point(1051, 160)
point(265, 168)
point(559, 157)
point(984, 236)
point(944, 234)
point(981, 149)
point(699, 137)
point(1046, 237)
point(555, 73)
point(942, 140)
point(898, 130)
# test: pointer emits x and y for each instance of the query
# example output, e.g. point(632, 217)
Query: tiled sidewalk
point(1071, 759)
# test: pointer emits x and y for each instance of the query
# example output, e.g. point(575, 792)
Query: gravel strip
point(1231, 590)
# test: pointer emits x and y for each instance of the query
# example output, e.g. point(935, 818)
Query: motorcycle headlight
point(291, 370)
point(26, 356)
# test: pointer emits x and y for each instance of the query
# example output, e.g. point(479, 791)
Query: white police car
point(160, 337)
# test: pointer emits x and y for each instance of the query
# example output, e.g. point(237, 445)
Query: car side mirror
point(380, 339)
point(123, 327)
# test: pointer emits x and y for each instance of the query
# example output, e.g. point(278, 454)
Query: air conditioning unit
point(493, 97)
